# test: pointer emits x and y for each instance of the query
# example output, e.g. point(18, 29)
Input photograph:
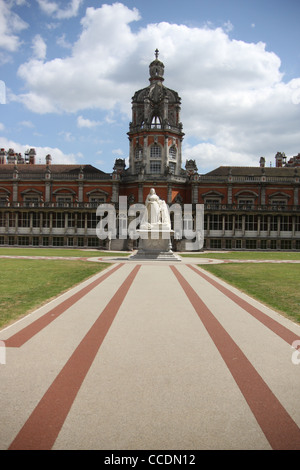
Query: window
point(155, 122)
point(246, 203)
point(46, 219)
point(11, 240)
point(212, 203)
point(70, 241)
point(45, 241)
point(228, 222)
point(63, 200)
point(172, 152)
point(263, 244)
point(80, 241)
point(91, 220)
point(238, 244)
point(80, 220)
point(274, 223)
point(23, 241)
point(215, 222)
point(297, 223)
point(12, 219)
point(228, 244)
point(58, 220)
point(286, 244)
point(251, 222)
point(286, 223)
point(35, 241)
point(23, 219)
point(155, 167)
point(31, 200)
point(251, 244)
point(2, 219)
point(264, 223)
point(58, 241)
point(172, 167)
point(155, 151)
point(71, 219)
point(35, 219)
point(215, 243)
point(138, 153)
point(93, 241)
point(1, 240)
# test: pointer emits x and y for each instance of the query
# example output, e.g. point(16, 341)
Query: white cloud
point(58, 156)
point(82, 122)
point(39, 47)
point(54, 9)
point(10, 26)
point(118, 152)
point(234, 98)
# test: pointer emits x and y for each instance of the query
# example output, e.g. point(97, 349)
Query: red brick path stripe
point(18, 339)
point(273, 325)
point(279, 428)
point(42, 427)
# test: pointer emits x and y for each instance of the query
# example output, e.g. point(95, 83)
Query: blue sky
point(70, 69)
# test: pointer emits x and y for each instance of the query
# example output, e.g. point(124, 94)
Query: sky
point(68, 71)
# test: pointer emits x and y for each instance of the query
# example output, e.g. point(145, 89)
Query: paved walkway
point(151, 356)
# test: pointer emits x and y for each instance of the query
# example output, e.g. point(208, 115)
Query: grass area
point(26, 284)
point(276, 285)
point(259, 255)
point(7, 251)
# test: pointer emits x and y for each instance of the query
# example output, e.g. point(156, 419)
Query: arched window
point(155, 151)
point(156, 121)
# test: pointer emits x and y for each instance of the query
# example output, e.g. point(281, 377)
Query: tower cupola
point(155, 132)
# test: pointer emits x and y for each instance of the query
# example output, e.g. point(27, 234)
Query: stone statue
point(156, 214)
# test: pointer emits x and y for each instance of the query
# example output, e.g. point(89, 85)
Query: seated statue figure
point(156, 214)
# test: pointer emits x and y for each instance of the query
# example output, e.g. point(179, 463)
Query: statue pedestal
point(155, 244)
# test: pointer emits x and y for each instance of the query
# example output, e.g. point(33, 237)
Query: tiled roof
point(252, 171)
point(62, 169)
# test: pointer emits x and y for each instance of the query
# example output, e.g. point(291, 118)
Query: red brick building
point(55, 205)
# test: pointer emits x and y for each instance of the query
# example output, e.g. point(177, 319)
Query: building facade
point(55, 205)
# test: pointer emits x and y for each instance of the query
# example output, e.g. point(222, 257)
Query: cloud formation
point(10, 26)
point(54, 9)
point(235, 103)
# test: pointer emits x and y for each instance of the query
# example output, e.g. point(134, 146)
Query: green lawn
point(26, 284)
point(7, 251)
point(259, 255)
point(276, 285)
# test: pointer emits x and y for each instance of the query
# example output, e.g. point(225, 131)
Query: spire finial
point(156, 53)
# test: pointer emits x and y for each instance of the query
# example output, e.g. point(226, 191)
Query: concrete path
point(151, 356)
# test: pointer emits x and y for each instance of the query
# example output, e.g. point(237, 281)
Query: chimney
point(32, 154)
point(2, 157)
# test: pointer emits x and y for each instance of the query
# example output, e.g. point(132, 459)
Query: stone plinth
point(155, 244)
